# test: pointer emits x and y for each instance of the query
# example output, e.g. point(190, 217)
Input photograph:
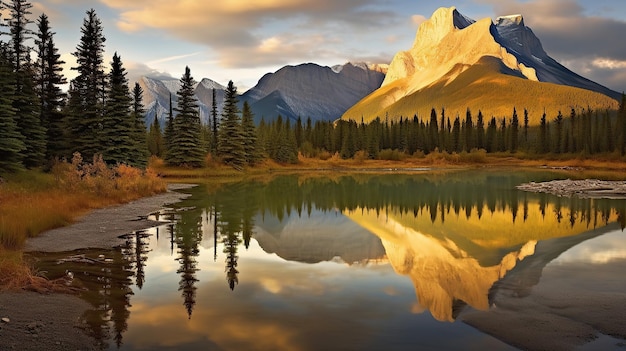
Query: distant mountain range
point(310, 90)
point(458, 63)
point(156, 97)
point(306, 90)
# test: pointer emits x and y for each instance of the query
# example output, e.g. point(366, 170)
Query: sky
point(241, 40)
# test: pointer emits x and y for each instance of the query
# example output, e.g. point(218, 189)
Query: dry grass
point(33, 202)
point(18, 275)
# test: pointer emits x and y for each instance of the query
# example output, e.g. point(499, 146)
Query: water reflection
point(458, 238)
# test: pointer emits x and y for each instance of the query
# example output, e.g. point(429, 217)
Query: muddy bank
point(35, 321)
point(102, 227)
point(586, 188)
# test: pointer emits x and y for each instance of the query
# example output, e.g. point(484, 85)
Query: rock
point(6, 320)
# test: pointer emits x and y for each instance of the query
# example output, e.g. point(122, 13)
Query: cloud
point(245, 33)
point(137, 70)
point(418, 19)
point(572, 37)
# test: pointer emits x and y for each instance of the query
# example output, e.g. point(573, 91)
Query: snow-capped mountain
point(311, 90)
point(156, 97)
point(459, 63)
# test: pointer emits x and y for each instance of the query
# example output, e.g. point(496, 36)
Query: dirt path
point(32, 321)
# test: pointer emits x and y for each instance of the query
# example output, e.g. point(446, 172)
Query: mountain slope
point(156, 97)
point(459, 63)
point(310, 90)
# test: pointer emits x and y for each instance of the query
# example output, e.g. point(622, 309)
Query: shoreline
point(54, 322)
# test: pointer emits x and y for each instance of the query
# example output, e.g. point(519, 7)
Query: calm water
point(363, 262)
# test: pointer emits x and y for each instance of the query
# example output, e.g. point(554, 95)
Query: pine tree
point(116, 124)
point(491, 143)
point(11, 141)
point(456, 135)
point(250, 147)
point(185, 146)
point(49, 79)
point(86, 107)
point(526, 128)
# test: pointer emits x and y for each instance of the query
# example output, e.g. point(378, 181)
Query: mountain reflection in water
point(455, 236)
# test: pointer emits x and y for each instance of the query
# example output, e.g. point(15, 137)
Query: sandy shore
point(32, 321)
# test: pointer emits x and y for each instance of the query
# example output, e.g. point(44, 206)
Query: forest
point(100, 115)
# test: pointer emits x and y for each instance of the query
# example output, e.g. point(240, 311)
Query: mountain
point(311, 90)
point(459, 63)
point(156, 97)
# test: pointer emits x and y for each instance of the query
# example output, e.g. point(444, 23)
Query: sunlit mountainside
point(458, 63)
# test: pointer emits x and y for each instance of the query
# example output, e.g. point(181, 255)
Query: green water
point(362, 262)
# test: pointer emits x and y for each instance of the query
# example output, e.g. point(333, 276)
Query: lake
point(428, 260)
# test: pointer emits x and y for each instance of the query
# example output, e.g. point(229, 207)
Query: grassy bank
point(32, 202)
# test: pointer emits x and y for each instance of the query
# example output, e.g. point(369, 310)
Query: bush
point(391, 155)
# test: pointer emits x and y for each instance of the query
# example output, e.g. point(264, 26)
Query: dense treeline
point(582, 132)
point(40, 122)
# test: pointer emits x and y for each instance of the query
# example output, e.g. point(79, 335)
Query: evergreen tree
point(433, 130)
point(526, 127)
point(26, 105)
point(11, 141)
point(543, 135)
point(138, 150)
point(117, 126)
point(559, 133)
point(230, 142)
point(622, 118)
point(480, 131)
point(86, 107)
point(491, 143)
point(470, 141)
point(215, 139)
point(248, 129)
point(49, 79)
point(168, 136)
point(18, 27)
point(155, 139)
point(514, 131)
point(185, 146)
point(456, 135)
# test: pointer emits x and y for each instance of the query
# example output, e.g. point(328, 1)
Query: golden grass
point(32, 202)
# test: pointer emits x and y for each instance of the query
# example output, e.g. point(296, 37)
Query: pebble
point(6, 320)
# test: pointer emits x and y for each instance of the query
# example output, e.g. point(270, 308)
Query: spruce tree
point(622, 118)
point(117, 127)
point(49, 79)
point(168, 135)
point(138, 150)
point(18, 27)
point(155, 139)
point(185, 146)
point(559, 133)
point(11, 141)
point(480, 131)
point(543, 135)
point(248, 129)
point(470, 141)
point(514, 131)
point(214, 127)
point(86, 107)
point(230, 139)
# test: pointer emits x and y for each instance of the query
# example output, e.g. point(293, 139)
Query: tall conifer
point(185, 148)
point(86, 107)
point(230, 140)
